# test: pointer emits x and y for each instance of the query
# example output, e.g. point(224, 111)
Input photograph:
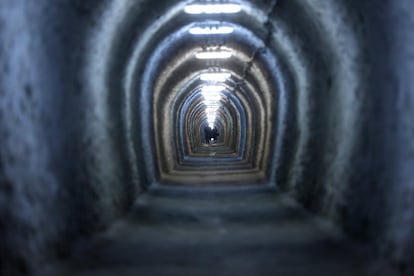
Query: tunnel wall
point(381, 189)
point(71, 160)
point(348, 152)
point(62, 159)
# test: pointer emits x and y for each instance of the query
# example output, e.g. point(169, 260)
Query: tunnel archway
point(250, 91)
point(102, 101)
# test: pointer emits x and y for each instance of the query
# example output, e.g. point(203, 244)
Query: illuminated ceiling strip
point(212, 88)
point(211, 110)
point(213, 55)
point(211, 30)
point(212, 8)
point(217, 77)
point(212, 96)
point(212, 99)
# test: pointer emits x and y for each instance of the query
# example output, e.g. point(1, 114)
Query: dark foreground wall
point(63, 160)
point(355, 162)
point(381, 194)
point(373, 198)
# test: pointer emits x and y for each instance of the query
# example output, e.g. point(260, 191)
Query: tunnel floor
point(217, 232)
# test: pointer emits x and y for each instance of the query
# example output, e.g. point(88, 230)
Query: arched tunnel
point(109, 164)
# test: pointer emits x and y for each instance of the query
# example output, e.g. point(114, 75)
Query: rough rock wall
point(381, 195)
point(352, 132)
point(64, 168)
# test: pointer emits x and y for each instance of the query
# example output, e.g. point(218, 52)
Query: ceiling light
point(211, 113)
point(212, 88)
point(212, 97)
point(212, 94)
point(211, 119)
point(210, 109)
point(212, 8)
point(213, 55)
point(217, 77)
point(211, 30)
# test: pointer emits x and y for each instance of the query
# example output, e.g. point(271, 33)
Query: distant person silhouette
point(214, 134)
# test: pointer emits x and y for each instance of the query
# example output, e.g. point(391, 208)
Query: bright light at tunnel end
point(212, 8)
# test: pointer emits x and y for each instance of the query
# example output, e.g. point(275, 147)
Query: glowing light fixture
point(213, 55)
point(211, 112)
point(211, 97)
point(212, 8)
point(211, 30)
point(217, 77)
point(211, 119)
point(211, 109)
point(212, 88)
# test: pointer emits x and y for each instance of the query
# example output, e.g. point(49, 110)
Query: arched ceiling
point(245, 110)
point(285, 58)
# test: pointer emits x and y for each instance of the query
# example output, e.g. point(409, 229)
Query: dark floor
point(246, 232)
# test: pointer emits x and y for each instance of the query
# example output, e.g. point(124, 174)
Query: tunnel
point(200, 137)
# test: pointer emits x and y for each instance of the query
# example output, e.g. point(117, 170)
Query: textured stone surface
point(61, 173)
